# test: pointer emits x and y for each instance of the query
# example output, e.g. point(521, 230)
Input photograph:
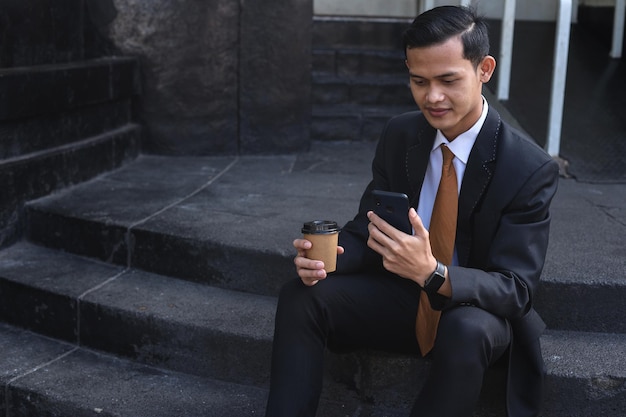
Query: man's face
point(446, 87)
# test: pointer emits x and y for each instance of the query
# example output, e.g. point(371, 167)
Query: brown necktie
point(442, 235)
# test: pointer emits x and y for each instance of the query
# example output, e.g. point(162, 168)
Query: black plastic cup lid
point(320, 227)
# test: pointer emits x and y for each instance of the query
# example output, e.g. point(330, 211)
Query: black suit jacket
point(502, 232)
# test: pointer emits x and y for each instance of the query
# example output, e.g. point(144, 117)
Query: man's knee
point(470, 332)
point(289, 288)
point(297, 302)
point(291, 296)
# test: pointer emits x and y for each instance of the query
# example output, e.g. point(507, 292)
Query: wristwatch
point(436, 279)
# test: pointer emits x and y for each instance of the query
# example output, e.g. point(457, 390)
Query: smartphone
point(393, 208)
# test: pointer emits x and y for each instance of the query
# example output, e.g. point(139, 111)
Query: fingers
point(381, 233)
point(416, 221)
point(310, 271)
point(418, 227)
point(381, 224)
point(306, 264)
point(302, 245)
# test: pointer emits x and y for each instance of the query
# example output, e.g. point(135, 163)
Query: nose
point(434, 94)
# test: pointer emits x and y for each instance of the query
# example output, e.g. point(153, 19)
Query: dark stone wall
point(189, 56)
point(275, 75)
point(220, 76)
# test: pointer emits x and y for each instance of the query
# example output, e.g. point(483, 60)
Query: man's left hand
point(408, 256)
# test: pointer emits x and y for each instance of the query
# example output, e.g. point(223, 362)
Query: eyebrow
point(445, 75)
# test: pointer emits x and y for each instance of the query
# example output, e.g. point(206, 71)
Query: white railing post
point(559, 73)
point(426, 5)
point(618, 28)
point(506, 50)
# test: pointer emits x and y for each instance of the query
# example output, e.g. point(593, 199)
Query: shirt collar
point(462, 145)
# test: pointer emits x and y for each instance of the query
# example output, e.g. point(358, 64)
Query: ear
point(486, 68)
point(406, 62)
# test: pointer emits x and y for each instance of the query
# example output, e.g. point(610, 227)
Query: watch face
point(434, 282)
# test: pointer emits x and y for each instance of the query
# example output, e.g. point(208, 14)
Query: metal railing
point(618, 28)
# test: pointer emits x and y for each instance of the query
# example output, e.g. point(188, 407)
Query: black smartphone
point(393, 208)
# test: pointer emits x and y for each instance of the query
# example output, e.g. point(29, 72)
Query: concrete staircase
point(61, 124)
point(359, 77)
point(150, 290)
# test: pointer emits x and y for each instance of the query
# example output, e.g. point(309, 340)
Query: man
point(390, 286)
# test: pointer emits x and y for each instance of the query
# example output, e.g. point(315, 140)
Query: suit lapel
point(478, 173)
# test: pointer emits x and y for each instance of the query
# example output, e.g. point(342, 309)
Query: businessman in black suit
point(484, 292)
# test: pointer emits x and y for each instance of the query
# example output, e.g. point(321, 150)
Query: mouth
point(437, 112)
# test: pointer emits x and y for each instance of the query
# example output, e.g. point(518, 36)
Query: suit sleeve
point(353, 237)
point(509, 249)
point(389, 173)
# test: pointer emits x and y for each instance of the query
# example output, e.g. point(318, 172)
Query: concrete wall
point(220, 76)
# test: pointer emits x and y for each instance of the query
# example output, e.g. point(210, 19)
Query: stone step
point(155, 327)
point(46, 378)
point(363, 90)
point(358, 62)
point(46, 89)
point(356, 90)
point(209, 220)
point(358, 33)
point(40, 173)
point(175, 325)
point(584, 277)
point(207, 332)
point(195, 218)
point(60, 125)
point(352, 123)
point(155, 320)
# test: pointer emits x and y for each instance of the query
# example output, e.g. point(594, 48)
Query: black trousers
point(378, 312)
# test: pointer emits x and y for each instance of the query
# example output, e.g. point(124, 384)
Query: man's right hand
point(310, 271)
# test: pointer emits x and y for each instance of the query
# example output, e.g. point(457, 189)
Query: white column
point(506, 50)
point(559, 73)
point(618, 28)
point(426, 5)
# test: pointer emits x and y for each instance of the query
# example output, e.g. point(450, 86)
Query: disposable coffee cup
point(324, 236)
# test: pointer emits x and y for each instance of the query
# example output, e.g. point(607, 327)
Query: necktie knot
point(448, 156)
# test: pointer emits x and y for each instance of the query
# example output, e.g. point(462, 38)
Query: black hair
point(442, 23)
